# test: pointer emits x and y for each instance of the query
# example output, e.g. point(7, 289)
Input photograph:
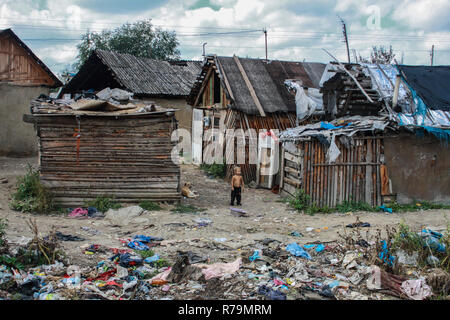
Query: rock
point(312, 296)
point(124, 216)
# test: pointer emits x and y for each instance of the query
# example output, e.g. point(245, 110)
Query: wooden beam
point(250, 87)
point(227, 84)
point(205, 82)
point(351, 76)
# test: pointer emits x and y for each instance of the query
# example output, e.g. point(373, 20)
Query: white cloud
point(297, 29)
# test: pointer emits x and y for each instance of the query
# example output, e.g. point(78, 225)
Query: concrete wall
point(17, 138)
point(184, 115)
point(419, 168)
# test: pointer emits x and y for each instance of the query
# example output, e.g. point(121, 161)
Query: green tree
point(140, 39)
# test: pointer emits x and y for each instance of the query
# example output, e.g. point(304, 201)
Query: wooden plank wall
point(127, 158)
point(354, 176)
point(239, 120)
point(18, 67)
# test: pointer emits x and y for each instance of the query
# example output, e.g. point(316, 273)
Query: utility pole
point(344, 29)
point(265, 36)
point(432, 55)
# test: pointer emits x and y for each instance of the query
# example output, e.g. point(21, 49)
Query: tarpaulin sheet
point(307, 102)
point(432, 84)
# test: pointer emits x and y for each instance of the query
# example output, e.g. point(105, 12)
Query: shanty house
point(242, 93)
point(92, 148)
point(386, 140)
point(23, 77)
point(164, 83)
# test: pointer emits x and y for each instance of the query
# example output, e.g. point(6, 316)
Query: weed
point(103, 203)
point(162, 263)
point(216, 170)
point(11, 262)
point(412, 242)
point(3, 226)
point(183, 208)
point(415, 206)
point(32, 195)
point(302, 202)
point(144, 254)
point(350, 206)
point(150, 206)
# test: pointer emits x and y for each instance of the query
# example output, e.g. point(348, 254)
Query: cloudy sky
point(297, 30)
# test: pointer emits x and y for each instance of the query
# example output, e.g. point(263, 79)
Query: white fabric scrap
point(333, 151)
point(416, 289)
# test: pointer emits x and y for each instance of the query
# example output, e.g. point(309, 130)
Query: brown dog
point(187, 192)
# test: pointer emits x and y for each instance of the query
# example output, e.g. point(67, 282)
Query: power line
point(274, 34)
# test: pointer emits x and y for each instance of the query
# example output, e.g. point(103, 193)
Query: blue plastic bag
point(385, 209)
point(146, 239)
point(152, 259)
point(297, 251)
point(255, 256)
point(385, 256)
point(431, 240)
point(319, 247)
point(137, 245)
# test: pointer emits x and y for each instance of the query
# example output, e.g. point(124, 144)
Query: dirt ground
point(268, 217)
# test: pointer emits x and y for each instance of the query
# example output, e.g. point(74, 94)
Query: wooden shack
point(165, 83)
point(23, 77)
point(121, 154)
point(243, 93)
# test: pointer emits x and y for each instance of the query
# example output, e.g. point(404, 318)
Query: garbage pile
point(355, 267)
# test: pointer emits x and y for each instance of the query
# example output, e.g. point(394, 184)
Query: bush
point(103, 203)
point(302, 202)
point(32, 195)
point(216, 170)
point(412, 242)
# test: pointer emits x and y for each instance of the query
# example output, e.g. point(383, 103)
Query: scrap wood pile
point(108, 100)
point(343, 96)
point(355, 267)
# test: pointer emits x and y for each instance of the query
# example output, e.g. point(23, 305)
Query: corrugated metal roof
point(142, 76)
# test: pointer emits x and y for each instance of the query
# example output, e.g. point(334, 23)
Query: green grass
point(183, 208)
point(103, 203)
point(416, 206)
point(150, 206)
point(31, 195)
point(302, 203)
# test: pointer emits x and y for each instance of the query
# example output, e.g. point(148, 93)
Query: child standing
point(237, 186)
